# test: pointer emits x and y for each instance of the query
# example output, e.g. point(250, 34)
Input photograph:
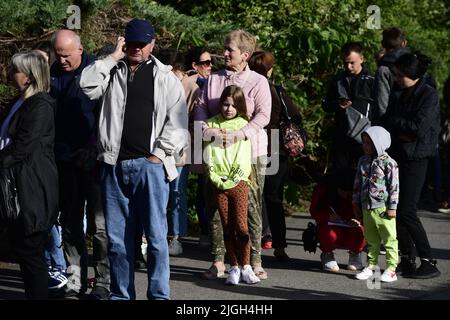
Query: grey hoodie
point(377, 181)
point(384, 80)
point(107, 79)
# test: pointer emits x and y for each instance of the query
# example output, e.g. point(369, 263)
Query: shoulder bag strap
point(280, 96)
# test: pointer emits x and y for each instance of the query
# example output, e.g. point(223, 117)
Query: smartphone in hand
point(344, 103)
point(119, 52)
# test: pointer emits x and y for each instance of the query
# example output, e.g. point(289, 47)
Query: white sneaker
point(328, 262)
point(144, 248)
point(365, 274)
point(388, 276)
point(234, 275)
point(248, 275)
point(354, 262)
point(175, 247)
point(444, 210)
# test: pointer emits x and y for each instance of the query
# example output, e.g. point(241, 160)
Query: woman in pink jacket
point(238, 48)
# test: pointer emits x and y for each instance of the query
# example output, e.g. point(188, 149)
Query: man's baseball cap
point(139, 31)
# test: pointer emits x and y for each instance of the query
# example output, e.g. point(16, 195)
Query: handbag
point(357, 123)
point(293, 136)
point(9, 197)
point(309, 238)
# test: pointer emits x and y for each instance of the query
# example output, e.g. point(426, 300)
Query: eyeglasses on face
point(204, 63)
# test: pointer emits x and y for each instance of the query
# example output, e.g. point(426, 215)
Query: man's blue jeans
point(178, 202)
point(53, 250)
point(133, 188)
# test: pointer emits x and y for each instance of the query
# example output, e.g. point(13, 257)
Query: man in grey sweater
point(394, 43)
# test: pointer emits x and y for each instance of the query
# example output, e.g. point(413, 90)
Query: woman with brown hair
point(263, 62)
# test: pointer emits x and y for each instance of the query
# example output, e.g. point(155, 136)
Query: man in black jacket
point(353, 87)
point(75, 151)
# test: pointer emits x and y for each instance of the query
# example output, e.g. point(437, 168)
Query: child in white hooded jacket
point(376, 194)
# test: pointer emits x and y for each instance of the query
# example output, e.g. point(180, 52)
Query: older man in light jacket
point(142, 131)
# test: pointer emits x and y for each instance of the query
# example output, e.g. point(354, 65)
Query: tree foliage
point(32, 16)
point(184, 30)
point(305, 37)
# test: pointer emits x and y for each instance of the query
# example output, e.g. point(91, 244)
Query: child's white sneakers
point(388, 276)
point(365, 274)
point(248, 275)
point(234, 275)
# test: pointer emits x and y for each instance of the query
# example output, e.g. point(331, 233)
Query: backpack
point(357, 123)
point(309, 238)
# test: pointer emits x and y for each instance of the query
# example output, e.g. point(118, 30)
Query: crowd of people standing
point(114, 137)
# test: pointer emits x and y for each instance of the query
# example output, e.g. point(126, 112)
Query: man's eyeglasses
point(204, 63)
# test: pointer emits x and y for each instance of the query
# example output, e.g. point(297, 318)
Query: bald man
point(68, 50)
point(75, 151)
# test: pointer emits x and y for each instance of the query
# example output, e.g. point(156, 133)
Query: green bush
point(33, 17)
point(306, 37)
point(183, 30)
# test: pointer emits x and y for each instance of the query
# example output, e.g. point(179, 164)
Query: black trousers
point(410, 231)
point(78, 189)
point(29, 252)
point(273, 198)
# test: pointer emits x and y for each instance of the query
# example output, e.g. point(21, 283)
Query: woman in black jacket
point(28, 149)
point(412, 118)
point(273, 210)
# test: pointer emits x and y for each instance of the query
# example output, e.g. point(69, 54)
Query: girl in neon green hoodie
point(229, 168)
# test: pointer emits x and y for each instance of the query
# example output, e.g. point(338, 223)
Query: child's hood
point(380, 137)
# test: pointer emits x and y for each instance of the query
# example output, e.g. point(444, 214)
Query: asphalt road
point(303, 279)
point(299, 279)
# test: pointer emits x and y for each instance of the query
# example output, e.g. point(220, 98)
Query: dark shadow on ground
point(442, 254)
point(192, 250)
point(192, 275)
point(441, 292)
point(11, 295)
point(10, 282)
